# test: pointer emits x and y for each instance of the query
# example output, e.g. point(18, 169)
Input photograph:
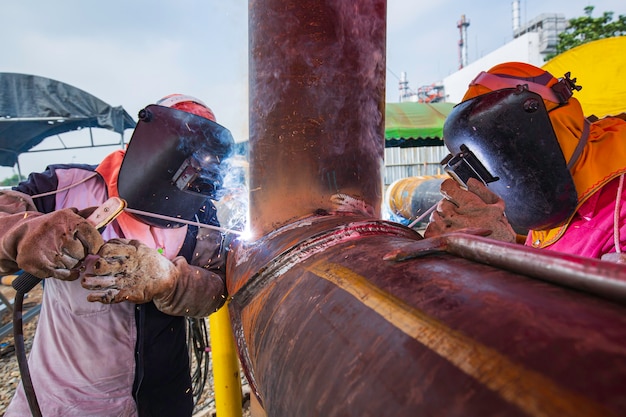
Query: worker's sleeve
point(200, 288)
point(11, 203)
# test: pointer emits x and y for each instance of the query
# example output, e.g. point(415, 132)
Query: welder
point(110, 340)
point(560, 174)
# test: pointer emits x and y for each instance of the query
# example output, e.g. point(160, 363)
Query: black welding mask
point(173, 164)
point(515, 152)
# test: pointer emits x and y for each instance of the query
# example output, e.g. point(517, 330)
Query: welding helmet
point(174, 160)
point(505, 121)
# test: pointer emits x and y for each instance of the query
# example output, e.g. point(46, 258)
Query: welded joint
point(308, 247)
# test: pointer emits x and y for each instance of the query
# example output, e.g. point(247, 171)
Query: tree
point(587, 28)
point(14, 180)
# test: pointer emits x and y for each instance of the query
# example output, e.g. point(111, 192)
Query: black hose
point(22, 284)
point(198, 343)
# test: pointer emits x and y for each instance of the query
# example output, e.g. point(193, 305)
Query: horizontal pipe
point(329, 327)
point(594, 276)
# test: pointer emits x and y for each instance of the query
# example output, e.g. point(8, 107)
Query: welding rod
point(177, 220)
point(426, 213)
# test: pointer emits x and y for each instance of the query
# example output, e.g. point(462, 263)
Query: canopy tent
point(33, 108)
point(412, 124)
point(600, 68)
point(407, 125)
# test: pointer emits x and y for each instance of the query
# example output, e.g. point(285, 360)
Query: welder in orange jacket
point(559, 175)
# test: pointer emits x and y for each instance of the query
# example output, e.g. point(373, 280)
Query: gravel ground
point(10, 374)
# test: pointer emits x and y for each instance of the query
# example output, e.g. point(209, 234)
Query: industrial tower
point(462, 25)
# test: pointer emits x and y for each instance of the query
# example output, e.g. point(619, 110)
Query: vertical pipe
point(226, 379)
point(317, 77)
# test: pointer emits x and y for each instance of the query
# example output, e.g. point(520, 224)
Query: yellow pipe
point(403, 195)
point(226, 379)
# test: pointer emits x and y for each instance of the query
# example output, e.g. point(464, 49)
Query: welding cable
point(616, 213)
point(72, 185)
point(22, 284)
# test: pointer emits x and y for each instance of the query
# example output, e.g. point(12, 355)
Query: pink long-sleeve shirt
point(591, 231)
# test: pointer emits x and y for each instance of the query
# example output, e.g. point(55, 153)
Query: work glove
point(474, 208)
point(129, 270)
point(45, 245)
point(12, 202)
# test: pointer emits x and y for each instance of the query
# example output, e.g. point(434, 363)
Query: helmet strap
point(581, 145)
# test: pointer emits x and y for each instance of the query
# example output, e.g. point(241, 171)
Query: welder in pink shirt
point(110, 339)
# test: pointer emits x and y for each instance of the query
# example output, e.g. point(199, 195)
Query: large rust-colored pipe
point(317, 77)
point(349, 316)
point(339, 313)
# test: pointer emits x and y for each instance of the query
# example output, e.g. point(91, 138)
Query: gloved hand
point(46, 245)
point(128, 270)
point(12, 202)
point(474, 208)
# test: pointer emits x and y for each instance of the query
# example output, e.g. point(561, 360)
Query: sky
point(130, 53)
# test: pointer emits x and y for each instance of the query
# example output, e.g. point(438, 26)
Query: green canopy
point(412, 124)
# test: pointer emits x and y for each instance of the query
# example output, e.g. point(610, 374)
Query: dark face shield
point(173, 164)
point(510, 133)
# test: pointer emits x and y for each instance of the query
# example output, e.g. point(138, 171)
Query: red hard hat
point(187, 103)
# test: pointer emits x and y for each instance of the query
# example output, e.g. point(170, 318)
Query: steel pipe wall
point(317, 76)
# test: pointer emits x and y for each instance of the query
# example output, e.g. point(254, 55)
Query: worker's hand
point(13, 202)
point(474, 208)
point(127, 270)
point(46, 245)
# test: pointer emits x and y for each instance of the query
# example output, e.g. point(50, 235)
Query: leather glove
point(474, 208)
point(45, 245)
point(128, 270)
point(15, 202)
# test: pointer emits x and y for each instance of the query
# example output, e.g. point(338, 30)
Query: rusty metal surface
point(343, 332)
point(317, 74)
point(276, 252)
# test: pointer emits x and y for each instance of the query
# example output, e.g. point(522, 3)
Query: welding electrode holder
point(462, 166)
point(465, 165)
